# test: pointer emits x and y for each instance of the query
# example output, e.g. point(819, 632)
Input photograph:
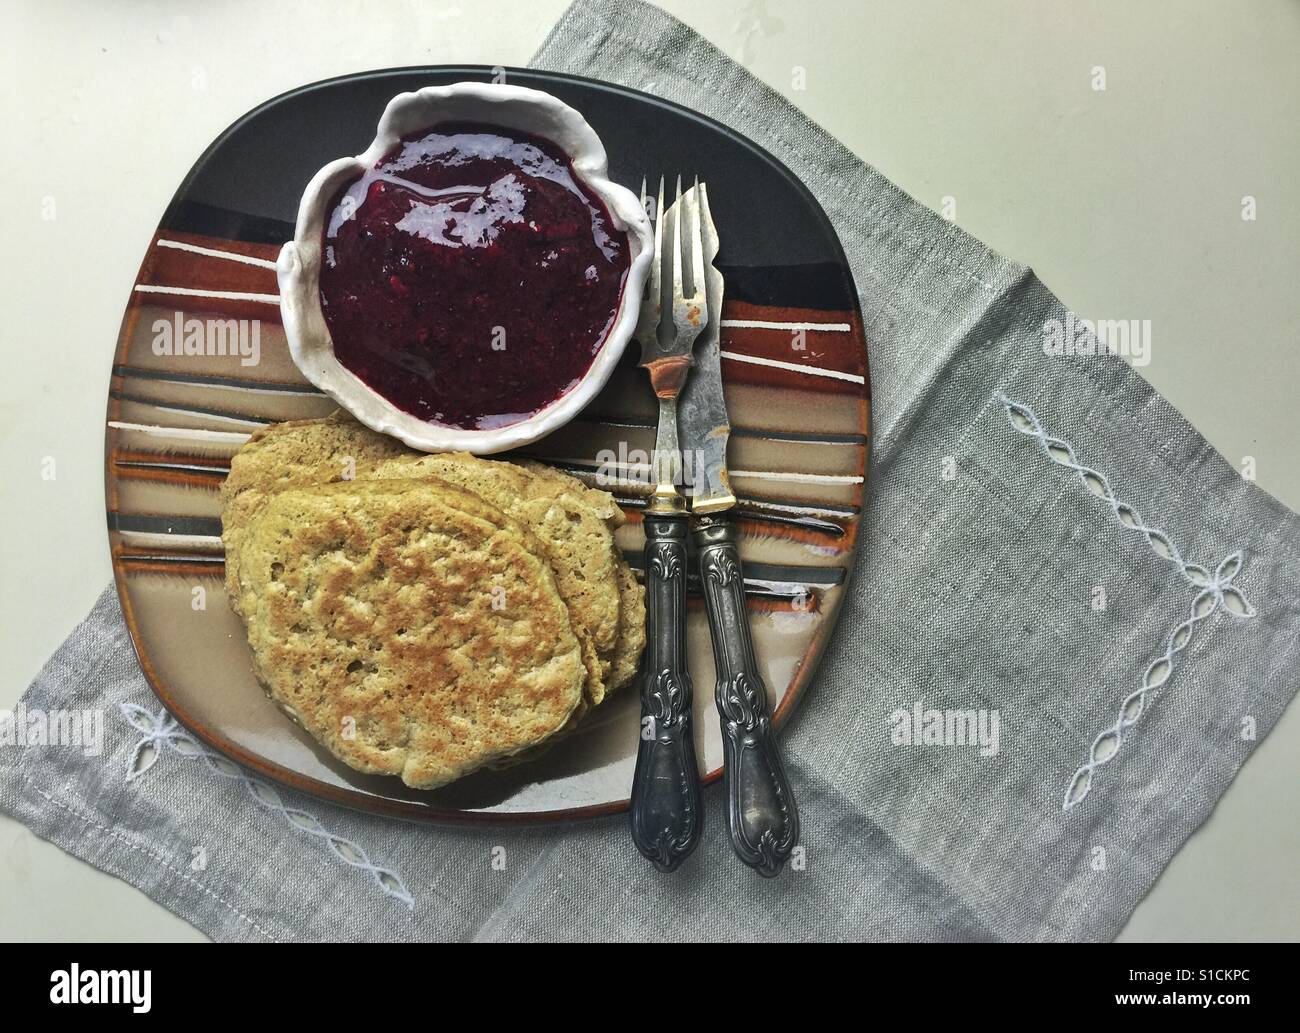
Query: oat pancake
point(625, 657)
point(601, 501)
point(287, 455)
point(574, 537)
point(631, 632)
point(572, 521)
point(408, 626)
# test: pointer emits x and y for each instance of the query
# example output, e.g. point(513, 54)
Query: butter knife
point(761, 813)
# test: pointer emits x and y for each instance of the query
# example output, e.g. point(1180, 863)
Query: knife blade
point(702, 409)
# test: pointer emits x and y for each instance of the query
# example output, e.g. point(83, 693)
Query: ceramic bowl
point(298, 268)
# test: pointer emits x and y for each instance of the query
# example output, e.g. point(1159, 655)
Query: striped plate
point(202, 362)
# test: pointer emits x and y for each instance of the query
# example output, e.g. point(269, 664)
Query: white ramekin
point(298, 269)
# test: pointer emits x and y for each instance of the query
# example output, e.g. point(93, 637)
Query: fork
point(665, 812)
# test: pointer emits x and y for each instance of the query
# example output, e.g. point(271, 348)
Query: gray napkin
point(1051, 553)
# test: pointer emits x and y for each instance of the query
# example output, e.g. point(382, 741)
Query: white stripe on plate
point(194, 292)
point(232, 256)
point(155, 540)
point(183, 433)
point(196, 414)
point(278, 391)
point(794, 367)
point(806, 478)
point(159, 464)
point(764, 324)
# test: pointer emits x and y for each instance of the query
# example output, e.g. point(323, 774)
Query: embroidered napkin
point(1070, 624)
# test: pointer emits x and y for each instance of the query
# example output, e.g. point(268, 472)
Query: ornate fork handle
point(665, 788)
point(761, 812)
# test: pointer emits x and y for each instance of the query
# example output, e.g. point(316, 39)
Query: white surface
point(1126, 201)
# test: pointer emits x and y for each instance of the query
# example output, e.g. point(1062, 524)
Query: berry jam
point(469, 277)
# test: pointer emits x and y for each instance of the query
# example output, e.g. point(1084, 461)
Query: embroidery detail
point(1216, 593)
point(161, 731)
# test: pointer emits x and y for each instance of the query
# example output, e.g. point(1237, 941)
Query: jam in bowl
point(471, 279)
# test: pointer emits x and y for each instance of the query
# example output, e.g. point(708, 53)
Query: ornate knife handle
point(761, 812)
point(666, 787)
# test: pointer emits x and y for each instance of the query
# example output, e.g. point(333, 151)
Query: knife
point(665, 807)
point(761, 813)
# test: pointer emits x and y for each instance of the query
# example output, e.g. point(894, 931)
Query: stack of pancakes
point(425, 615)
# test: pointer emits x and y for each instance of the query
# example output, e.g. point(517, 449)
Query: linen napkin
point(1070, 623)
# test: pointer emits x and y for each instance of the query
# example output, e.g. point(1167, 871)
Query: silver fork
point(665, 814)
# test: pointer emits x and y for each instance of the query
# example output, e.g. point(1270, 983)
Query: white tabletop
point(1126, 200)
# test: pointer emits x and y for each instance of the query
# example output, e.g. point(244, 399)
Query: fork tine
point(648, 290)
point(643, 204)
point(678, 293)
point(656, 267)
point(697, 248)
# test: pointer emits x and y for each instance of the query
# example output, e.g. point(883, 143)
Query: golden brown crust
point(571, 521)
point(631, 638)
point(546, 512)
point(623, 655)
point(289, 455)
point(601, 501)
point(408, 626)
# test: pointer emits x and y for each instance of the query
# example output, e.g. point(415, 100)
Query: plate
point(202, 361)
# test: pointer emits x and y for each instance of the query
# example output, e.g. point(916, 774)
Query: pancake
point(631, 633)
point(625, 657)
point(287, 455)
point(408, 625)
point(601, 501)
point(573, 522)
point(575, 537)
